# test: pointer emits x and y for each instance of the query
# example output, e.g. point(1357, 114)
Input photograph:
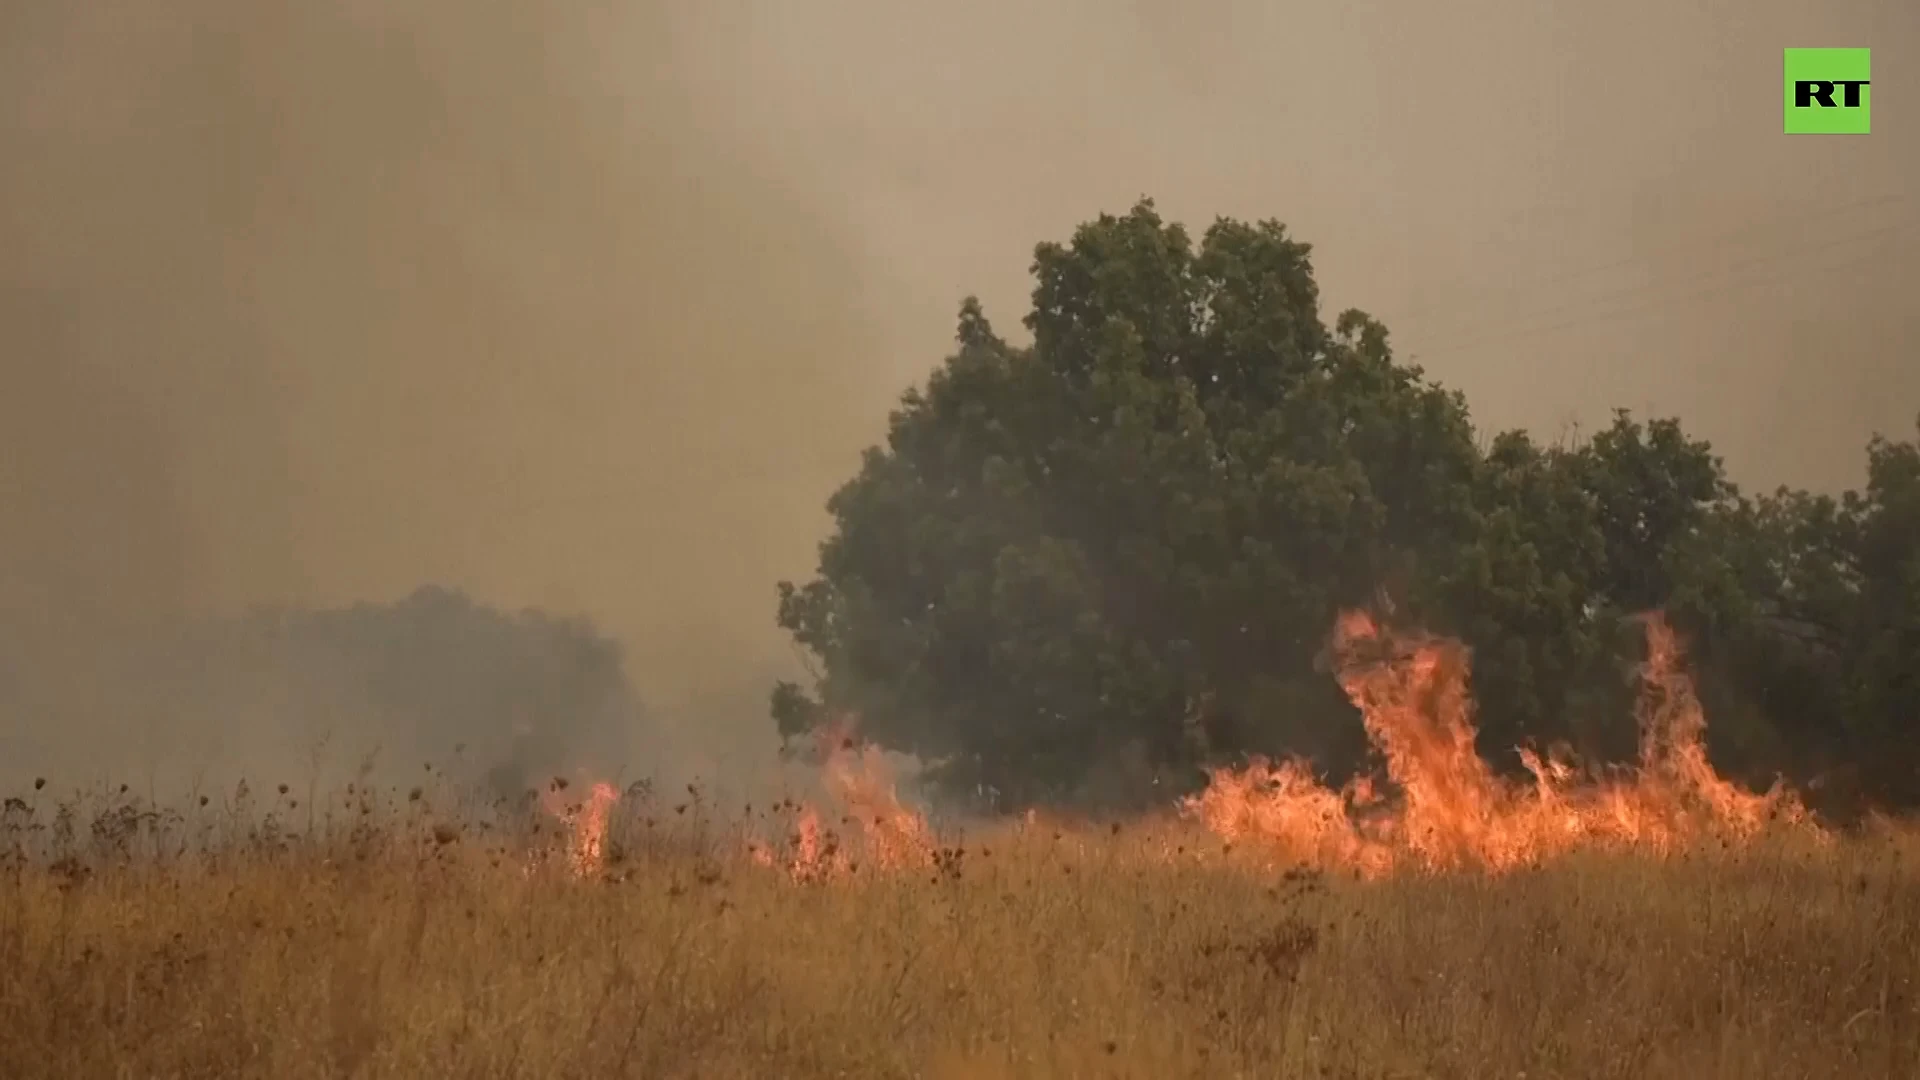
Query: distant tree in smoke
point(507, 698)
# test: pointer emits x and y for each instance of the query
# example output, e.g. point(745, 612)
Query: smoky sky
point(589, 306)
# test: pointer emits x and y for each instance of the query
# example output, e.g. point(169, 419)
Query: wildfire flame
point(586, 823)
point(1450, 810)
point(1454, 810)
point(877, 829)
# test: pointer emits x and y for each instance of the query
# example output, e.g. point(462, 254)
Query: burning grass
point(1648, 923)
point(1028, 951)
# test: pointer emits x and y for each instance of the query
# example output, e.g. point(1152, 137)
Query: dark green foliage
point(1086, 568)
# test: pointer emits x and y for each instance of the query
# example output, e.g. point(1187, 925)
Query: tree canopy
point(1087, 567)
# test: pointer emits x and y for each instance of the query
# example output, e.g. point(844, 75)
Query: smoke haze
point(588, 307)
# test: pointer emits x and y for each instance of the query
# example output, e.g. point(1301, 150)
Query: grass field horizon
point(1655, 922)
point(402, 941)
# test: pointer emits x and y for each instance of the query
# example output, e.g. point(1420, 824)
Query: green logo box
point(1827, 92)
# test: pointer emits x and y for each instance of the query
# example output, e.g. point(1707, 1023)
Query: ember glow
point(1453, 810)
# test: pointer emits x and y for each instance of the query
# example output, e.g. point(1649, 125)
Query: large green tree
point(1124, 543)
point(1084, 567)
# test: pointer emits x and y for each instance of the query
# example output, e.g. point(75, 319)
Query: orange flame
point(586, 823)
point(880, 831)
point(1454, 810)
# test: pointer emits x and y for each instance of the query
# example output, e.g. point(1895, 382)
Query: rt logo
point(1827, 92)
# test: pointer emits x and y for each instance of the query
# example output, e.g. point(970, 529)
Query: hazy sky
point(589, 306)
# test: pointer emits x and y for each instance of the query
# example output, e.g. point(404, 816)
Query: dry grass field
point(1646, 923)
point(403, 947)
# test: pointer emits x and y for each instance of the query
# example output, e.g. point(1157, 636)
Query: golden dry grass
point(387, 951)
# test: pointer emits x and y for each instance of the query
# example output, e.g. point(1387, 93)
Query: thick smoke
point(308, 304)
point(588, 306)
